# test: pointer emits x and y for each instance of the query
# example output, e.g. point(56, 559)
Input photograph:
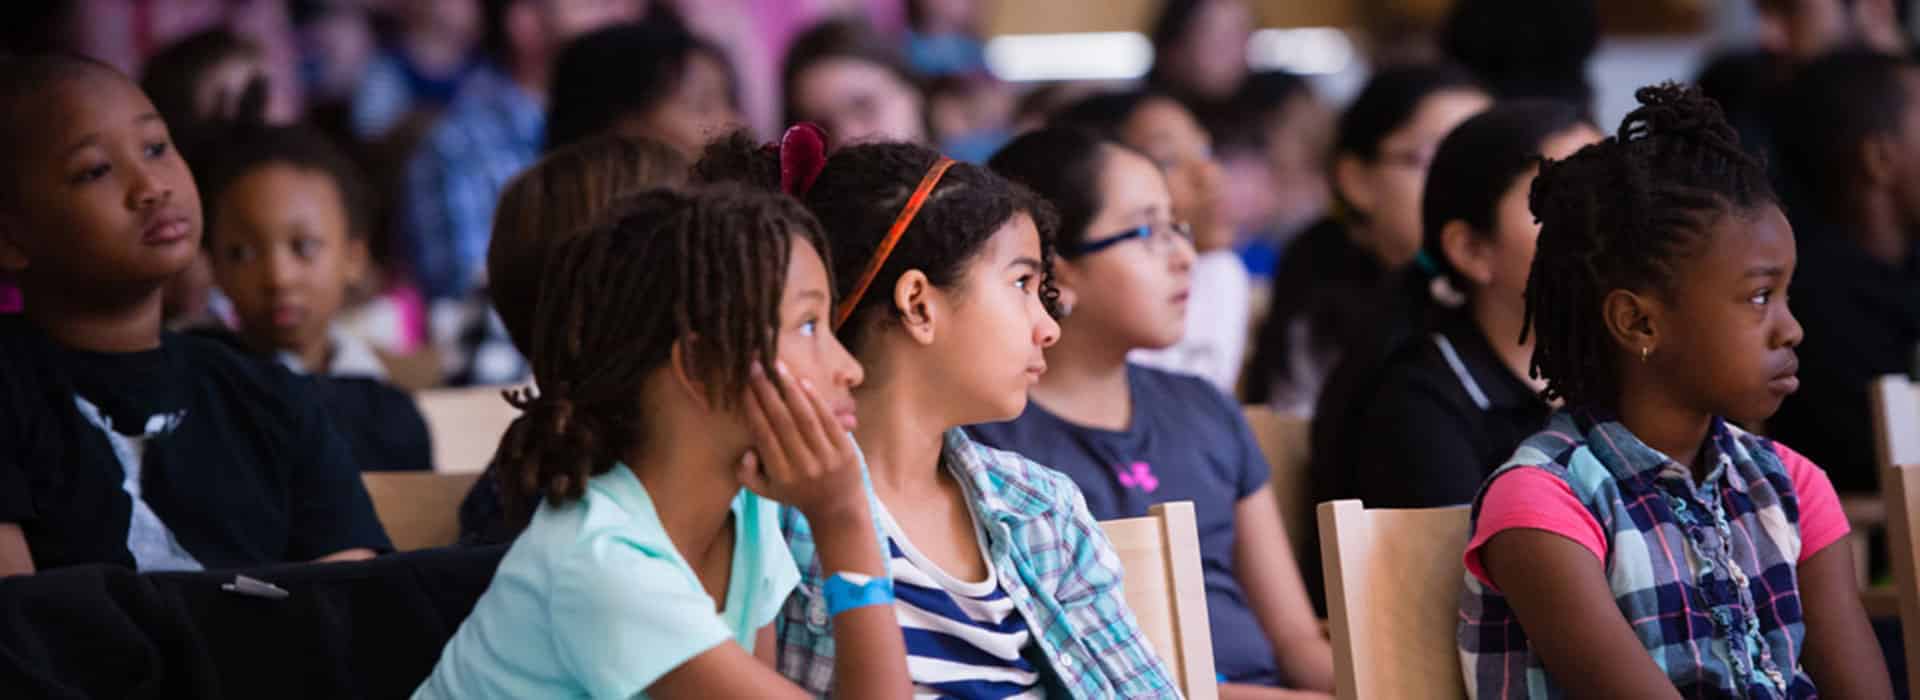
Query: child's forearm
point(870, 659)
point(1306, 661)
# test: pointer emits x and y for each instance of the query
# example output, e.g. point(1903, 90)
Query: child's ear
point(913, 297)
point(1350, 175)
point(1469, 254)
point(1633, 320)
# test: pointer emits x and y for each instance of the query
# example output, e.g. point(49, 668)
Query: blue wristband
point(845, 591)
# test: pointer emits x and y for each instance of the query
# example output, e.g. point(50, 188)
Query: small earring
point(1645, 352)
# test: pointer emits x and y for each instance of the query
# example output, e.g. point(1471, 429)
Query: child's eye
point(1761, 298)
point(157, 149)
point(92, 173)
point(1025, 282)
point(306, 247)
point(809, 327)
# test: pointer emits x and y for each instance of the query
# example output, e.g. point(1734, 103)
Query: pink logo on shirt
point(1138, 475)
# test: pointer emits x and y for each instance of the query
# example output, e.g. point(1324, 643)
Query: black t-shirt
point(1424, 430)
point(1862, 320)
point(381, 424)
point(247, 469)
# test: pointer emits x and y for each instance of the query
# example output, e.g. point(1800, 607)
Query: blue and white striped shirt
point(964, 638)
point(1047, 553)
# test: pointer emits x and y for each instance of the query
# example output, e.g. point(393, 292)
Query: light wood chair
point(1283, 440)
point(1394, 580)
point(420, 510)
point(465, 425)
point(1901, 487)
point(1167, 592)
point(1896, 420)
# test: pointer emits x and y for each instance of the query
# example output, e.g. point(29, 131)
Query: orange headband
point(900, 224)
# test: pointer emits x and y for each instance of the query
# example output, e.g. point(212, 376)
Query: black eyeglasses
point(1158, 238)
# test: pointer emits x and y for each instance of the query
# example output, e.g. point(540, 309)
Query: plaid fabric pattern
point(1705, 574)
point(1052, 559)
point(492, 131)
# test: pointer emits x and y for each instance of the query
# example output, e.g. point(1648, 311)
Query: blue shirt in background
point(1188, 442)
point(492, 131)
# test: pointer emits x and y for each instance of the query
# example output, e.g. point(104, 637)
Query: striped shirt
point(1705, 573)
point(1047, 554)
point(964, 639)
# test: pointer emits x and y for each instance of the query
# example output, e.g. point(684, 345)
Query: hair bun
point(1673, 109)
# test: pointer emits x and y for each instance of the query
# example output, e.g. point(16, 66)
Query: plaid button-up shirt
point(1051, 558)
point(490, 133)
point(1705, 573)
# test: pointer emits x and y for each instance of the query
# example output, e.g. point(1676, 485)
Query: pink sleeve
point(1532, 499)
point(1822, 522)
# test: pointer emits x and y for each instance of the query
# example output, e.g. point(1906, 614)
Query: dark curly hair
point(1623, 214)
point(622, 71)
point(244, 148)
point(704, 268)
point(1063, 164)
point(862, 189)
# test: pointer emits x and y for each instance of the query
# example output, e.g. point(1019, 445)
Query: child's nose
point(1047, 331)
point(148, 190)
point(1792, 334)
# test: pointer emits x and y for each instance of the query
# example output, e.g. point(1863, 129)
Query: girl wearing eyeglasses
point(1131, 436)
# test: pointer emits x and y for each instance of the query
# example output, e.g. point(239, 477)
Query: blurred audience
point(1526, 48)
point(650, 79)
point(843, 76)
point(1850, 141)
point(1327, 284)
point(491, 131)
point(436, 48)
point(1200, 49)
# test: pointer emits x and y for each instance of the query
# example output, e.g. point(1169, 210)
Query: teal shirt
point(593, 600)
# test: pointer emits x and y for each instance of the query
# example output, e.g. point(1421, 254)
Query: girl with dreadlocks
point(1007, 587)
point(653, 565)
point(1642, 545)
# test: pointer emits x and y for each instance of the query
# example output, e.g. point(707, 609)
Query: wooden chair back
point(1896, 420)
point(1394, 581)
point(1167, 591)
point(1901, 487)
point(420, 510)
point(1283, 440)
point(465, 425)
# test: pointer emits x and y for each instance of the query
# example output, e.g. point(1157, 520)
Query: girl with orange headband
point(1004, 585)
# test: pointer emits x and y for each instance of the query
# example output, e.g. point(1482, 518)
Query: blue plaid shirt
point(492, 130)
point(1705, 573)
point(1052, 559)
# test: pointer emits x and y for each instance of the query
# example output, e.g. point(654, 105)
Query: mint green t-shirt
point(593, 601)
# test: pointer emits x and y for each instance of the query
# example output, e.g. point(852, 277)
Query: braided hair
point(1623, 214)
point(860, 191)
point(706, 269)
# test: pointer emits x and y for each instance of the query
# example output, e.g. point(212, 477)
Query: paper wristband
point(845, 592)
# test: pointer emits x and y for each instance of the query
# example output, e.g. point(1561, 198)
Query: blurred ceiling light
point(1081, 56)
point(1304, 50)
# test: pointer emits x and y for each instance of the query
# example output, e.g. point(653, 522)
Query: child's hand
point(800, 456)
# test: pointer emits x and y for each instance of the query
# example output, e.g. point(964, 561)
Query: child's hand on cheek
point(800, 456)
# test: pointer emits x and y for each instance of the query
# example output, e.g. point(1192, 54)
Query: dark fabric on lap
point(370, 629)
